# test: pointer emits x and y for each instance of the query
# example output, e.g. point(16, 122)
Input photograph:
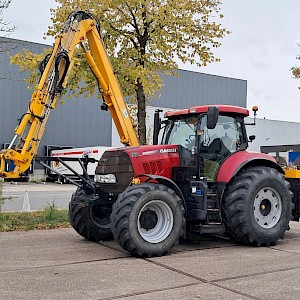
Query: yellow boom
point(81, 29)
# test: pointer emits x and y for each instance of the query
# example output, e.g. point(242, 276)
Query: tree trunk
point(141, 112)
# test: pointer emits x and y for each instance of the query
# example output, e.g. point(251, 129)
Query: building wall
point(192, 88)
point(80, 122)
point(272, 133)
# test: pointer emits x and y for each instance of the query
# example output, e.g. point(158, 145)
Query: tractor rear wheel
point(147, 219)
point(91, 222)
point(256, 208)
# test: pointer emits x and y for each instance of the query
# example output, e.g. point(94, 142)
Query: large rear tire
point(147, 219)
point(91, 222)
point(256, 208)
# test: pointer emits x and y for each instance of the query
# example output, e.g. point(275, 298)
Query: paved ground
point(40, 195)
point(59, 264)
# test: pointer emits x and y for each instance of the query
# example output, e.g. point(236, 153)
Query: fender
point(238, 160)
point(165, 181)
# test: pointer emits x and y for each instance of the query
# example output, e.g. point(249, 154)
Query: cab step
point(213, 228)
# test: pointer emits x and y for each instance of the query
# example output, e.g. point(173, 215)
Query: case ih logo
point(172, 150)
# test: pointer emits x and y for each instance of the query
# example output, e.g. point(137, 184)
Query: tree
point(143, 38)
point(5, 27)
point(296, 70)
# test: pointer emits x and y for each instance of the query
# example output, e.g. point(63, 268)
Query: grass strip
point(49, 218)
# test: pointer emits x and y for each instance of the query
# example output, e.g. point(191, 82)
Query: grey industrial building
point(80, 122)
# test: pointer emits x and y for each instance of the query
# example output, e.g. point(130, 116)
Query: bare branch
point(5, 26)
point(4, 4)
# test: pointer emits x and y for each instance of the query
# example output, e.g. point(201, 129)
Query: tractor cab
point(206, 135)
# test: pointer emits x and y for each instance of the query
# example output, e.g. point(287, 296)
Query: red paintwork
point(232, 164)
point(204, 108)
point(153, 153)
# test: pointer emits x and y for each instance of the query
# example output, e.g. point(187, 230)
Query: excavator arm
point(81, 29)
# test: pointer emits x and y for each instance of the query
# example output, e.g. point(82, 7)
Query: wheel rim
point(100, 216)
point(155, 221)
point(267, 207)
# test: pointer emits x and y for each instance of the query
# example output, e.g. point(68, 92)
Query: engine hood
point(154, 159)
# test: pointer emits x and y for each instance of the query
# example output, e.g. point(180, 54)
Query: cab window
point(181, 132)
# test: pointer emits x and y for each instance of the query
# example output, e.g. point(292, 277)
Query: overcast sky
point(261, 48)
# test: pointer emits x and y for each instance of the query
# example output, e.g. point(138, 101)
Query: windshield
point(180, 132)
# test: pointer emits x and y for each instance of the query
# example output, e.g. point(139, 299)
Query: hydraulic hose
point(58, 83)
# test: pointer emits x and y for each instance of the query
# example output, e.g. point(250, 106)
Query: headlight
point(107, 178)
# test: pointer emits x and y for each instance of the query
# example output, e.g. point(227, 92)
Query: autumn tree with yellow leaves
point(143, 38)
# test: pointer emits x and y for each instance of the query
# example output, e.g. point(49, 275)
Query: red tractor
point(200, 178)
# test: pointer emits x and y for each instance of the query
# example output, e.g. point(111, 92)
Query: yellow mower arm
point(81, 28)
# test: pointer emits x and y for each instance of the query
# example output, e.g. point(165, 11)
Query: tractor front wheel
point(147, 219)
point(91, 222)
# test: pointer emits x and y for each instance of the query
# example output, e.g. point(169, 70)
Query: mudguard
point(239, 160)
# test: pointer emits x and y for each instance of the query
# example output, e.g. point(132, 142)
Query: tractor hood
point(155, 159)
point(129, 162)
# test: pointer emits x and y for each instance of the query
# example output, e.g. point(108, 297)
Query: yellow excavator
point(81, 29)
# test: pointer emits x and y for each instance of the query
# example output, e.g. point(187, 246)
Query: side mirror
point(212, 117)
point(251, 138)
